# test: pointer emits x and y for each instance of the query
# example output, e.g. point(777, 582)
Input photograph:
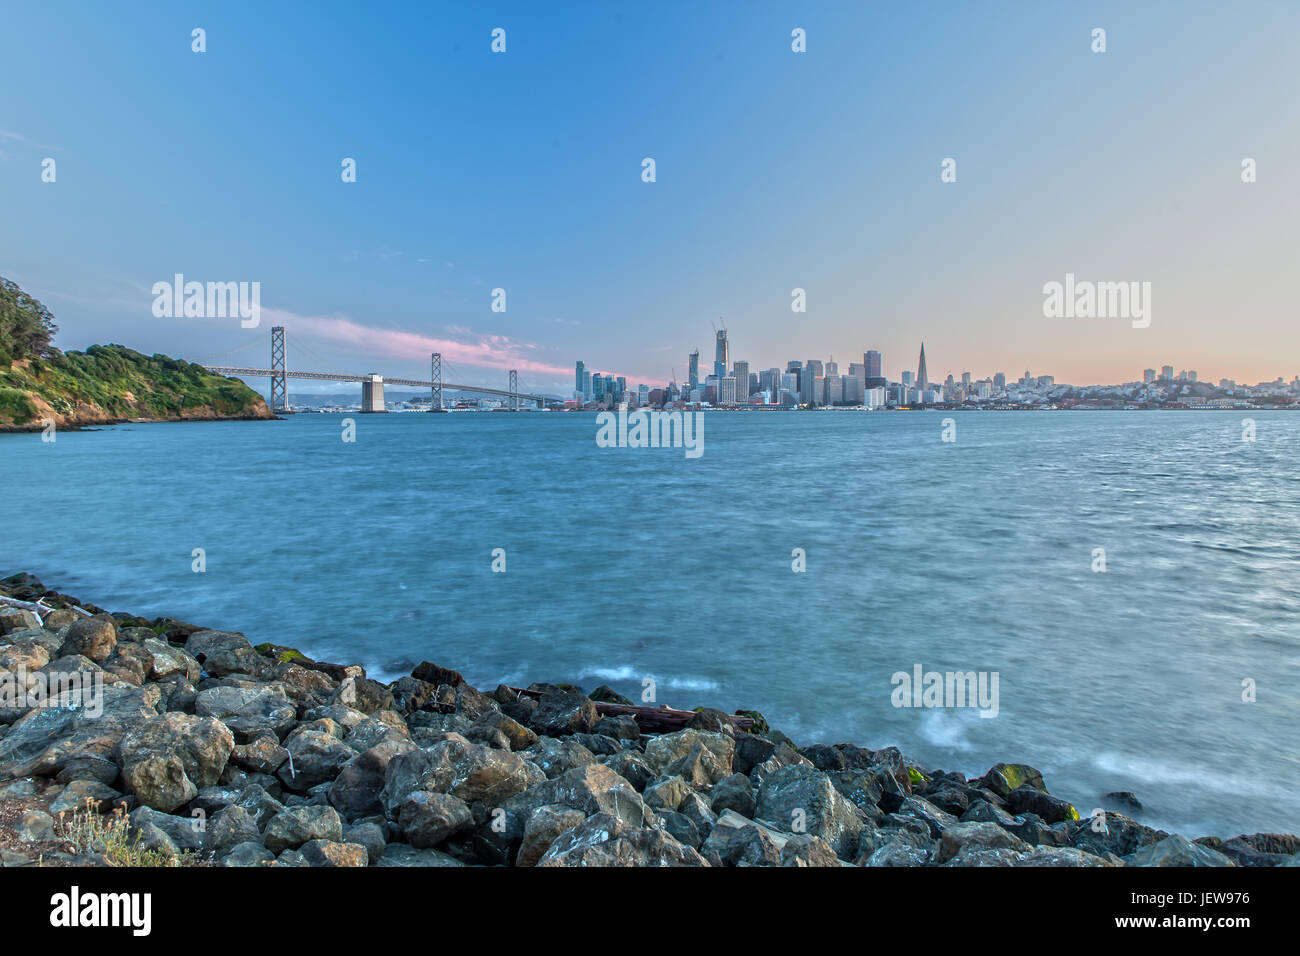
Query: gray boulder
point(561, 712)
point(1177, 850)
point(976, 835)
point(231, 826)
point(166, 759)
point(251, 853)
point(315, 757)
point(544, 824)
point(734, 793)
point(355, 792)
point(470, 772)
point(294, 826)
point(557, 755)
point(334, 853)
point(605, 840)
point(92, 637)
point(428, 819)
point(800, 799)
point(248, 712)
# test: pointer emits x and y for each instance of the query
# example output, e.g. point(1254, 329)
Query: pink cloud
point(486, 351)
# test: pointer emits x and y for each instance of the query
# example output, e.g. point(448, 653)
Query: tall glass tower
point(921, 381)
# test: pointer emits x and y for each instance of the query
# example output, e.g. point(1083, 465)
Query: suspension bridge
point(372, 384)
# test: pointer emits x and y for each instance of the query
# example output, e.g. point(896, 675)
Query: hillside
point(105, 383)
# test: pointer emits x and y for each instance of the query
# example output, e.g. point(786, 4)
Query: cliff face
point(111, 383)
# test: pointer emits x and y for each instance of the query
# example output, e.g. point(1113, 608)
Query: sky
point(774, 170)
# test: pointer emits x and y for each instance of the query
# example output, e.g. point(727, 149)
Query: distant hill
point(105, 383)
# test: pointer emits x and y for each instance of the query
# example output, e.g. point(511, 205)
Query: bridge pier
point(372, 394)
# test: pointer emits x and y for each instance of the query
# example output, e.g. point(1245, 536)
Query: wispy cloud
point(24, 141)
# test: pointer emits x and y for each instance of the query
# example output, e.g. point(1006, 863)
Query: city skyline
point(478, 171)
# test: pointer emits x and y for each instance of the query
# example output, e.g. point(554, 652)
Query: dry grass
point(109, 837)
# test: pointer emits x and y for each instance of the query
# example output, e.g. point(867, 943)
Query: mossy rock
point(282, 655)
point(607, 695)
point(1005, 777)
point(760, 722)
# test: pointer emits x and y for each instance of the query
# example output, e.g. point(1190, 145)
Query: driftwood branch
point(659, 720)
point(38, 608)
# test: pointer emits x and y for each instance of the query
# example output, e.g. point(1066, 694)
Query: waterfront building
point(693, 368)
point(727, 390)
point(1000, 381)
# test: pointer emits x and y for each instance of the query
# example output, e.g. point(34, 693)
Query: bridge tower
point(279, 393)
point(436, 378)
point(514, 390)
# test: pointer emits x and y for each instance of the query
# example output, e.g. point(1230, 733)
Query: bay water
point(625, 566)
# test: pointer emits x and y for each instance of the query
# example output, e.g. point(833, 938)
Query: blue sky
point(775, 170)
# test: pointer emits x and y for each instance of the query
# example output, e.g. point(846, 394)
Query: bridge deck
point(341, 377)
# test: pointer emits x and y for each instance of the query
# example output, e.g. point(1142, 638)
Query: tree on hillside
point(26, 327)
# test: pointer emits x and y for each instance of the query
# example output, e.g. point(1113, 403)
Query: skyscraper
point(871, 359)
point(921, 381)
point(720, 354)
point(693, 363)
point(578, 377)
point(741, 371)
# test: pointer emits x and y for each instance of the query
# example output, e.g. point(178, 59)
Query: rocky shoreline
point(91, 423)
point(126, 741)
